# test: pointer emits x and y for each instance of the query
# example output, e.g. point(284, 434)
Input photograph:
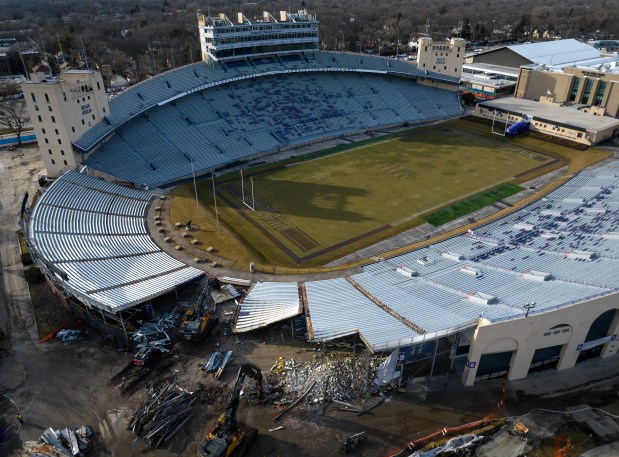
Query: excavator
point(198, 321)
point(228, 438)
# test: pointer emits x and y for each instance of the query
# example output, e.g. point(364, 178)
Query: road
point(76, 392)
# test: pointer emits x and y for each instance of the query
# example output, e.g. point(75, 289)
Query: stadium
point(534, 289)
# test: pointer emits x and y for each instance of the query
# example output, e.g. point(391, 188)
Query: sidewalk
point(590, 375)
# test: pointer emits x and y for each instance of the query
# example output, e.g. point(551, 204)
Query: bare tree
point(13, 113)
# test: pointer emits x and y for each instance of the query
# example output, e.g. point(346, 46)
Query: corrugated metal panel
point(95, 233)
point(556, 52)
point(267, 303)
point(337, 309)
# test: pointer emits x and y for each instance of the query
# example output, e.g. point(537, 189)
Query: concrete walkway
point(593, 374)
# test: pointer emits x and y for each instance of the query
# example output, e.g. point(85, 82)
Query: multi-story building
point(590, 87)
point(222, 39)
point(487, 81)
point(61, 110)
point(445, 58)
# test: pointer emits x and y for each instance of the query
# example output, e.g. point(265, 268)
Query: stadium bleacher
point(216, 115)
point(550, 252)
point(94, 233)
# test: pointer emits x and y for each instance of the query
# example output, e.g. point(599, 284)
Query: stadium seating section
point(92, 236)
point(200, 117)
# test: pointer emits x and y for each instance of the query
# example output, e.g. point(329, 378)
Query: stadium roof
point(268, 303)
point(552, 113)
point(558, 52)
point(555, 52)
point(560, 251)
point(91, 237)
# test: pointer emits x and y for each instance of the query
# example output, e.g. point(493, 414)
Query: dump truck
point(200, 319)
point(229, 438)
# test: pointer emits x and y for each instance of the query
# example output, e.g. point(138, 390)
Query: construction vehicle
point(198, 321)
point(229, 438)
point(149, 347)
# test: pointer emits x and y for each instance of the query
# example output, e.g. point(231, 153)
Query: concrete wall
point(534, 83)
point(566, 326)
point(504, 57)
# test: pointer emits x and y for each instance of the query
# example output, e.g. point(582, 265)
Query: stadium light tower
point(529, 306)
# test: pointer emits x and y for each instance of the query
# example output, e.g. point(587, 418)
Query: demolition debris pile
point(60, 443)
point(164, 412)
point(335, 379)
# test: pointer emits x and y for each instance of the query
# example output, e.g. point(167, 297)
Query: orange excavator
point(198, 321)
point(229, 438)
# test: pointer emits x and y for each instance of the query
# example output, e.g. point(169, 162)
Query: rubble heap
point(213, 394)
point(164, 412)
point(336, 379)
point(60, 443)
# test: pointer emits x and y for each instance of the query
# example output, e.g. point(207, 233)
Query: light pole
point(193, 174)
point(342, 47)
point(215, 200)
point(529, 306)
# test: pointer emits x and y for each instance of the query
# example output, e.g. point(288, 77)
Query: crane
point(228, 436)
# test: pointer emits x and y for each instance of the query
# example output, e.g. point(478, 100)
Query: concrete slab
point(609, 450)
point(583, 413)
point(603, 427)
point(503, 445)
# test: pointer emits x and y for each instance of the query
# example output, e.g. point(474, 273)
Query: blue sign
point(596, 343)
point(149, 309)
point(410, 354)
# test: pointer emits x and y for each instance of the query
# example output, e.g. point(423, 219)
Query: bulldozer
point(229, 438)
point(199, 320)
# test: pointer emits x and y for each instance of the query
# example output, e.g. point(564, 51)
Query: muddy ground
point(69, 384)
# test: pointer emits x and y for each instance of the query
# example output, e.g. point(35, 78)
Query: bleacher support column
point(434, 356)
point(569, 352)
point(474, 356)
point(521, 359)
point(611, 347)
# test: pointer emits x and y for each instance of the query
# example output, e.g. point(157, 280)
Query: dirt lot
point(68, 384)
point(80, 392)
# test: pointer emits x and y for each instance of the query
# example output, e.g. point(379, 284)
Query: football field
point(310, 212)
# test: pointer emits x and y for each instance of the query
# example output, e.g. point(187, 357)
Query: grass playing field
point(311, 212)
point(336, 202)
